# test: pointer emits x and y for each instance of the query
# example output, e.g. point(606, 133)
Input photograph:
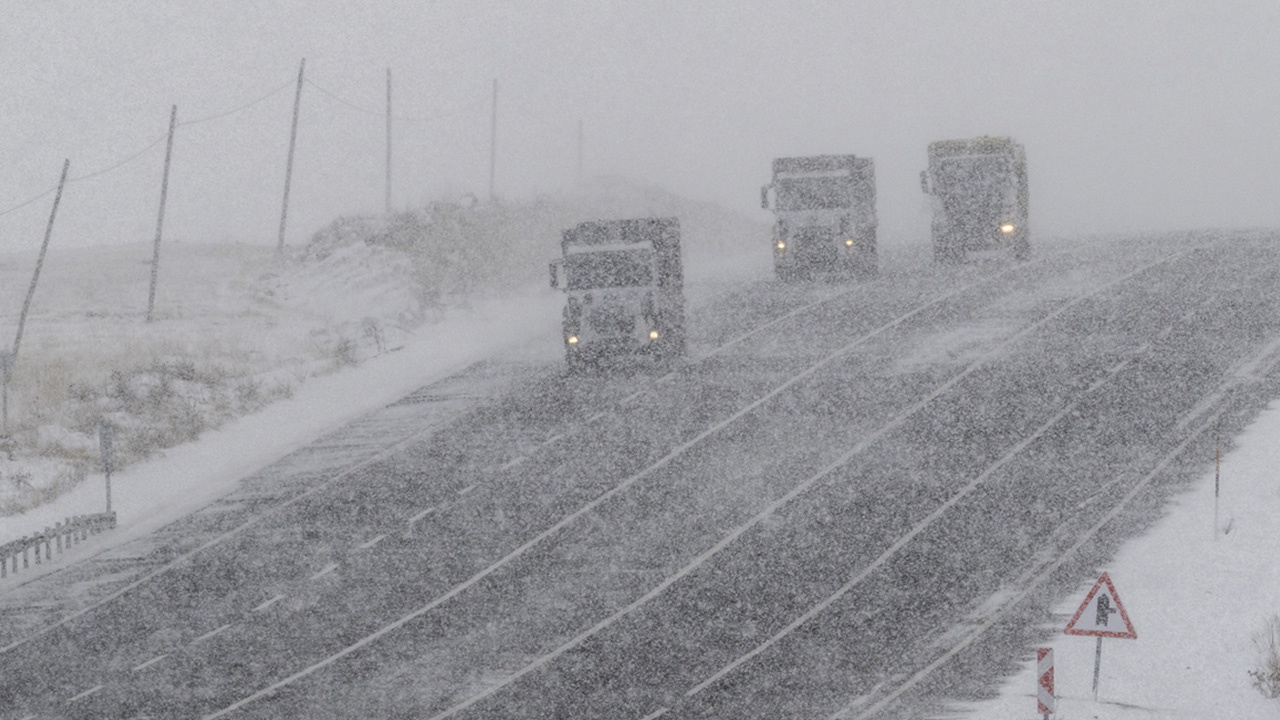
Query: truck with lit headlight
point(624, 287)
point(824, 216)
point(978, 192)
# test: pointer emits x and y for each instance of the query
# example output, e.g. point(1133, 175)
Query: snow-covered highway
point(850, 501)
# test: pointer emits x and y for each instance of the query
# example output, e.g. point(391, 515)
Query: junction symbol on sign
point(1102, 614)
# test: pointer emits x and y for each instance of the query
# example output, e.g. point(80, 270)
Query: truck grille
point(612, 321)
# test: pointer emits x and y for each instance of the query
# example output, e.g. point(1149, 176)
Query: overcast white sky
point(1136, 115)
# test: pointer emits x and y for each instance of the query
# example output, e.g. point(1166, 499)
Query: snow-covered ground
point(150, 494)
point(1199, 602)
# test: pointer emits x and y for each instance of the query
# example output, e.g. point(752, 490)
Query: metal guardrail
point(59, 537)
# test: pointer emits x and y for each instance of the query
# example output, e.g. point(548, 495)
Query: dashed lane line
point(421, 515)
point(737, 532)
point(467, 489)
point(84, 694)
point(513, 463)
point(325, 571)
point(1209, 422)
point(268, 603)
point(210, 634)
point(185, 557)
point(149, 663)
point(370, 543)
point(847, 711)
point(602, 498)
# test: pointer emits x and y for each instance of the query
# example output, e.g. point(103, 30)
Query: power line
point(246, 106)
point(132, 157)
point(153, 143)
point(26, 202)
point(86, 176)
point(377, 113)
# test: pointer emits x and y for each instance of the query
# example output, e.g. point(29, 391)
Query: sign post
point(108, 456)
point(1094, 618)
point(6, 370)
point(1045, 701)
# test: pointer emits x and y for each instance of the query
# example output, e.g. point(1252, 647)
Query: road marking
point(883, 431)
point(327, 569)
point(371, 543)
point(513, 463)
point(632, 396)
point(595, 417)
point(601, 499)
point(467, 489)
point(150, 662)
point(269, 603)
point(656, 714)
point(389, 451)
point(667, 378)
point(554, 438)
point(210, 634)
point(85, 694)
point(1035, 582)
point(421, 515)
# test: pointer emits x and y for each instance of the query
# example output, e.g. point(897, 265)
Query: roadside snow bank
point(182, 479)
point(1199, 603)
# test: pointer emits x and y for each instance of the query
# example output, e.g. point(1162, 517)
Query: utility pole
point(288, 168)
point(493, 139)
point(11, 359)
point(579, 153)
point(388, 141)
point(164, 191)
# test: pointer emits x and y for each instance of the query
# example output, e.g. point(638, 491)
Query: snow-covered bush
point(1267, 676)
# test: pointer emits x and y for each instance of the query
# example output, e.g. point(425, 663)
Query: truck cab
point(825, 216)
point(623, 282)
point(979, 198)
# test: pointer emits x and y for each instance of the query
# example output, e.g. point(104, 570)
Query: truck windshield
point(982, 174)
point(609, 268)
point(819, 193)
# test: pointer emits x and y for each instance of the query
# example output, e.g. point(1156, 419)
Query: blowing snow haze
point(1136, 116)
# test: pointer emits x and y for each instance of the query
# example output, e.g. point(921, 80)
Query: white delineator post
point(1045, 701)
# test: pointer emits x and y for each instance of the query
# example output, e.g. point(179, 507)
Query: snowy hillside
point(237, 327)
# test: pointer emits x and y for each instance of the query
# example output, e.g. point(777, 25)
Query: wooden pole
point(493, 139)
point(1217, 481)
point(288, 168)
point(12, 358)
point(388, 141)
point(35, 277)
point(164, 192)
point(579, 153)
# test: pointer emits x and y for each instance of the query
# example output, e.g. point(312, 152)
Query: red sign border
point(1131, 634)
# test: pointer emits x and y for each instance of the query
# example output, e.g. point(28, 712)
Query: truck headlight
point(1007, 228)
point(782, 245)
point(573, 339)
point(653, 334)
point(848, 242)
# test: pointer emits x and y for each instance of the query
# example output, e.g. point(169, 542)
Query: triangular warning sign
point(1102, 614)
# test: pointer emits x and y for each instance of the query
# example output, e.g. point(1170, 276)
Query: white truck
point(978, 189)
point(624, 284)
point(825, 216)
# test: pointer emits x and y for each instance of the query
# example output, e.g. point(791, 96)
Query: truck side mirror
point(924, 181)
point(558, 281)
point(764, 197)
